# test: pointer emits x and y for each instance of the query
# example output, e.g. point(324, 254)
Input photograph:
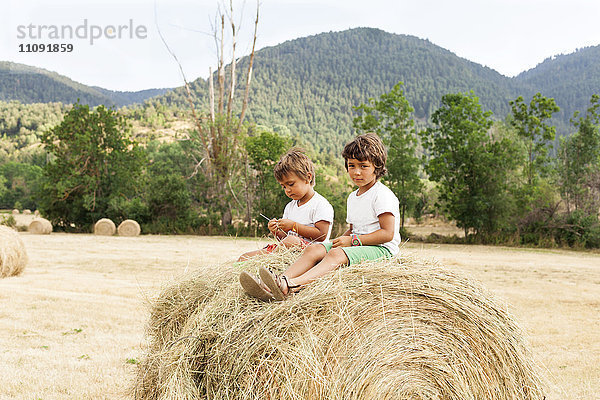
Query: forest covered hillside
point(308, 87)
point(570, 79)
point(28, 84)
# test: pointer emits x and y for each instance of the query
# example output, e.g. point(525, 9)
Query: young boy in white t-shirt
point(308, 217)
point(373, 215)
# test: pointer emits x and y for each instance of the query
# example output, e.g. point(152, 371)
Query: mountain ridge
point(44, 86)
point(309, 86)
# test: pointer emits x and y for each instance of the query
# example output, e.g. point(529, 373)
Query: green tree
point(470, 165)
point(390, 117)
point(579, 158)
point(264, 150)
point(93, 161)
point(21, 181)
point(529, 121)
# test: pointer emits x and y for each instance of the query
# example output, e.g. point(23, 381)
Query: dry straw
point(104, 227)
point(396, 329)
point(13, 257)
point(129, 228)
point(40, 226)
point(15, 212)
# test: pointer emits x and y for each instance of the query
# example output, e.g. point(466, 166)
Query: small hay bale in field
point(13, 257)
point(104, 227)
point(36, 213)
point(394, 329)
point(26, 212)
point(15, 212)
point(129, 228)
point(40, 226)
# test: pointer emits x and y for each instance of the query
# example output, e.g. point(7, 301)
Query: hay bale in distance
point(104, 227)
point(40, 226)
point(394, 329)
point(129, 227)
point(26, 212)
point(15, 212)
point(13, 257)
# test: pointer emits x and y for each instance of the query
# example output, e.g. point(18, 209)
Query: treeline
point(501, 181)
point(95, 168)
point(498, 180)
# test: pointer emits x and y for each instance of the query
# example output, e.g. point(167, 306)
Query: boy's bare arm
point(317, 233)
point(380, 236)
point(344, 238)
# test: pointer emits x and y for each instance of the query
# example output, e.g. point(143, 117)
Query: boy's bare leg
point(288, 241)
point(251, 254)
point(328, 263)
point(309, 258)
point(291, 241)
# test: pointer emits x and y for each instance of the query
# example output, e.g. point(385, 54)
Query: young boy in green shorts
point(372, 214)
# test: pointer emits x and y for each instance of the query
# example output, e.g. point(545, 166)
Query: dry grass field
point(72, 325)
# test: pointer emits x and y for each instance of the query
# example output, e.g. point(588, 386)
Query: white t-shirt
point(314, 210)
point(364, 212)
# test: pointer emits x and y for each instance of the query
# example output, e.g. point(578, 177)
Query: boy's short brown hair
point(367, 147)
point(297, 162)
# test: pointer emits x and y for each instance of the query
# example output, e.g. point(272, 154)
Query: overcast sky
point(509, 36)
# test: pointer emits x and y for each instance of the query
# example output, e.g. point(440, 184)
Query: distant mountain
point(36, 85)
point(570, 79)
point(310, 85)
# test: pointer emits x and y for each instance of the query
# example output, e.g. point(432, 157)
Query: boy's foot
point(277, 284)
point(254, 288)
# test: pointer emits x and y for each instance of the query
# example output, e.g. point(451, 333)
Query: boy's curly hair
point(297, 162)
point(367, 147)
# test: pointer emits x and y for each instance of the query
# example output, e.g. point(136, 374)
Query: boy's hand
point(272, 225)
point(286, 225)
point(342, 241)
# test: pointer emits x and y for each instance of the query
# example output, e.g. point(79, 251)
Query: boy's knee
point(290, 241)
point(315, 248)
point(338, 255)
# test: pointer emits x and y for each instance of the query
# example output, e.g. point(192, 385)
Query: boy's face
point(295, 187)
point(362, 173)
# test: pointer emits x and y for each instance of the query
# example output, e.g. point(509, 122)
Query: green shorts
point(357, 254)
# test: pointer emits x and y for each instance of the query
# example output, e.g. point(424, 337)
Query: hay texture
point(104, 227)
point(129, 228)
point(40, 226)
point(15, 212)
point(395, 329)
point(13, 257)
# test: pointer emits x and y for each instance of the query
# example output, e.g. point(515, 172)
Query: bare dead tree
point(218, 136)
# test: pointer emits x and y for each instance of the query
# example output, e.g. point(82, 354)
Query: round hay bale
point(13, 257)
point(104, 227)
point(129, 228)
point(27, 212)
point(40, 226)
point(394, 329)
point(15, 212)
point(36, 213)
